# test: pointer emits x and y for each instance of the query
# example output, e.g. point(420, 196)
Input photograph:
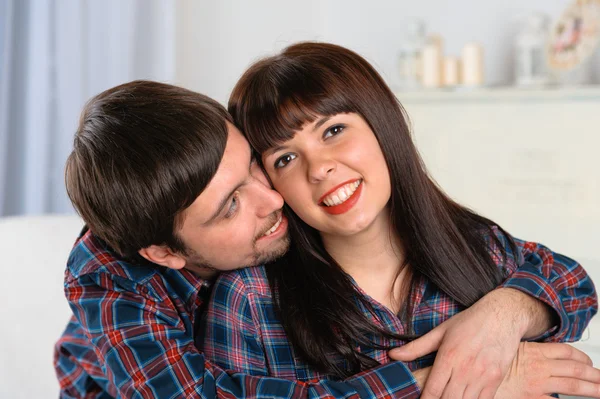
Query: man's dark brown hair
point(142, 154)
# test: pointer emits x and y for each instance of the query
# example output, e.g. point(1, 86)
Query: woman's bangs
point(274, 126)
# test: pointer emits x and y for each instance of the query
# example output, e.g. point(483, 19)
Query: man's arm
point(233, 338)
point(77, 367)
point(546, 296)
point(147, 351)
point(556, 281)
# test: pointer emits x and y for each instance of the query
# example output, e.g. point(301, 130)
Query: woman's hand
point(475, 347)
point(541, 369)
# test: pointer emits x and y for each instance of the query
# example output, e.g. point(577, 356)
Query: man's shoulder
point(91, 256)
point(248, 280)
point(93, 262)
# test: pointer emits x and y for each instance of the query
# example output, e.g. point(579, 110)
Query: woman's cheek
point(293, 196)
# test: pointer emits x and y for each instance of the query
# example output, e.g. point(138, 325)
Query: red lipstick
point(346, 205)
point(335, 189)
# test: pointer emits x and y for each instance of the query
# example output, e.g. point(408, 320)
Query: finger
point(483, 387)
point(575, 369)
point(437, 381)
point(422, 346)
point(454, 389)
point(488, 393)
point(478, 391)
point(565, 352)
point(573, 386)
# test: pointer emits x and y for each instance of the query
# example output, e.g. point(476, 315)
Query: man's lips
point(278, 228)
point(274, 226)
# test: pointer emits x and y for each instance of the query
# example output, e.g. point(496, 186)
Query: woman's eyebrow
point(317, 125)
point(273, 150)
point(321, 122)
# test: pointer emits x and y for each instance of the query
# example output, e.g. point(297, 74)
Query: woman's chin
point(349, 228)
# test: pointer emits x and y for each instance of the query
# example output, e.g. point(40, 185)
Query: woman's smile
point(342, 199)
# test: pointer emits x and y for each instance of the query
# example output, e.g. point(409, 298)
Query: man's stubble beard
point(197, 264)
point(280, 249)
point(276, 250)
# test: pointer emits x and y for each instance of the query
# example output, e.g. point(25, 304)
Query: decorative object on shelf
point(451, 72)
point(472, 65)
point(432, 62)
point(573, 40)
point(423, 64)
point(409, 58)
point(531, 63)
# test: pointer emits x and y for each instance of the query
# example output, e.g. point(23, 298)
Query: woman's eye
point(284, 160)
point(332, 131)
point(233, 205)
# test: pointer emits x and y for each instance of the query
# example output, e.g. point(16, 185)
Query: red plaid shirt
point(132, 336)
point(244, 334)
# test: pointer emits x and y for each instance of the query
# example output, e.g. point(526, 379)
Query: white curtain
point(54, 55)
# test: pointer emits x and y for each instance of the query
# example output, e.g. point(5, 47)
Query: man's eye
point(233, 205)
point(332, 131)
point(284, 160)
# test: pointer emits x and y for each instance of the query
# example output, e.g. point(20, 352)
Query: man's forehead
point(237, 147)
point(231, 173)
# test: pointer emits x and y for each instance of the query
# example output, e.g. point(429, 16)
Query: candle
point(472, 65)
point(451, 71)
point(432, 66)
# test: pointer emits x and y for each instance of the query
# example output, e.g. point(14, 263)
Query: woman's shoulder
point(248, 280)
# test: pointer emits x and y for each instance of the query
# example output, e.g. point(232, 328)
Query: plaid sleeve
point(554, 279)
point(147, 351)
point(231, 336)
point(77, 367)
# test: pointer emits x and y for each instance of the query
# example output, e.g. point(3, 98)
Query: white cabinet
point(528, 160)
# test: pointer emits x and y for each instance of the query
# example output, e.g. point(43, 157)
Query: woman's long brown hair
point(444, 241)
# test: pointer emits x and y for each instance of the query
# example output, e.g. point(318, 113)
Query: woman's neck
point(374, 259)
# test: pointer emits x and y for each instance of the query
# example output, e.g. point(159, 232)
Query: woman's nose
point(320, 168)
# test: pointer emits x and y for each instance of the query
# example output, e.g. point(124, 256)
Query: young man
point(170, 195)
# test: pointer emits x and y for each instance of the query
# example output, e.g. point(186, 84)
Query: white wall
point(218, 40)
point(56, 60)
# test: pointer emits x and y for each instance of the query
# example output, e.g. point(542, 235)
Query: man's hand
point(476, 347)
point(539, 370)
point(421, 376)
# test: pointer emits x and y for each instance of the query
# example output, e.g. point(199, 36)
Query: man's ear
point(162, 255)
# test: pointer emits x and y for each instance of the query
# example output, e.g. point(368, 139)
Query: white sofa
point(34, 313)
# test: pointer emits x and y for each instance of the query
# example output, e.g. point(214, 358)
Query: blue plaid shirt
point(132, 336)
point(243, 333)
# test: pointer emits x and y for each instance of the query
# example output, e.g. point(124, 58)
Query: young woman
point(380, 255)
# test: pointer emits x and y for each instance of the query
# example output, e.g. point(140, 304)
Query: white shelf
point(524, 158)
point(501, 94)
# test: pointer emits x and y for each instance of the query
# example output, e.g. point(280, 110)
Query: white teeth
point(275, 226)
point(342, 194)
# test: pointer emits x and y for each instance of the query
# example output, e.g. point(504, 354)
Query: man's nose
point(259, 174)
point(266, 199)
